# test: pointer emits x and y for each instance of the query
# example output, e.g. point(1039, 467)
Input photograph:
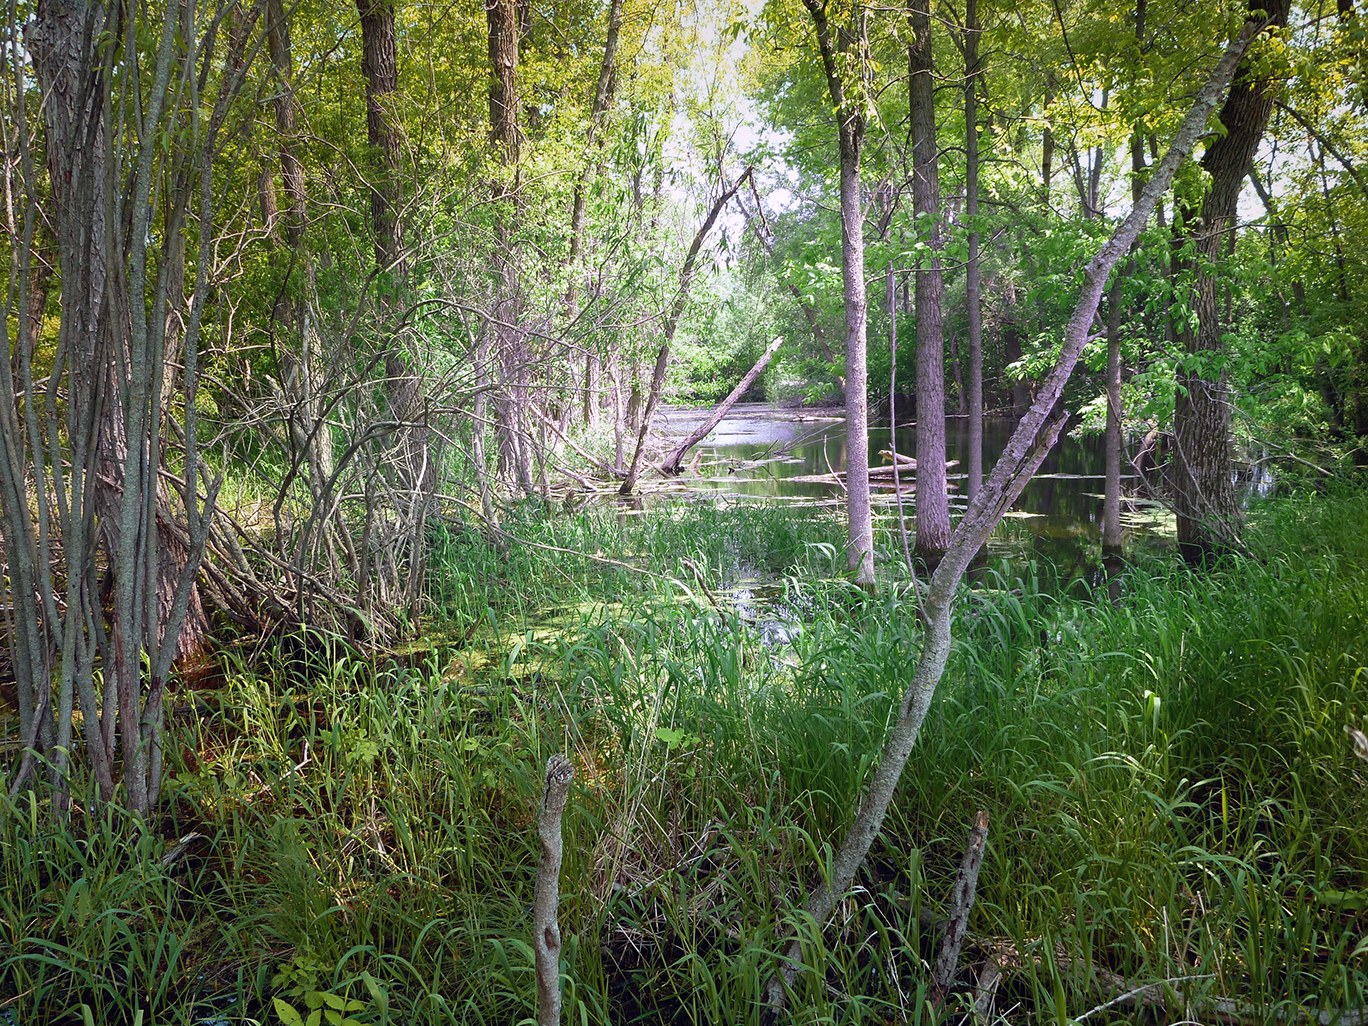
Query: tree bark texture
point(1204, 495)
point(380, 68)
point(973, 302)
point(1111, 491)
point(412, 456)
point(850, 134)
point(1035, 434)
point(961, 904)
point(546, 938)
point(933, 500)
point(505, 108)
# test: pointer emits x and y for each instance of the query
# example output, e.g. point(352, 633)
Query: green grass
point(1171, 792)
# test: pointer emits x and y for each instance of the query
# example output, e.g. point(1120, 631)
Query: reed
point(1171, 793)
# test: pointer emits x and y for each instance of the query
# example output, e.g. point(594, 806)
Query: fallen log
point(671, 466)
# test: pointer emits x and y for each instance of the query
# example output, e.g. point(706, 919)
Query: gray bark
point(97, 464)
point(933, 499)
point(851, 40)
point(961, 904)
point(546, 938)
point(1027, 448)
point(972, 299)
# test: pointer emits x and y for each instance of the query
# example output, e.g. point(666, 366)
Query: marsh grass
point(1171, 794)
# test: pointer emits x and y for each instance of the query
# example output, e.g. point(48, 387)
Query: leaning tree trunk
point(850, 133)
point(1204, 496)
point(933, 500)
point(662, 363)
point(1025, 451)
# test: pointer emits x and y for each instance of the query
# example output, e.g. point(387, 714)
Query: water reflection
point(763, 452)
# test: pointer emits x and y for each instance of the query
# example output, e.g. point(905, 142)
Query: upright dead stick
point(961, 901)
point(546, 939)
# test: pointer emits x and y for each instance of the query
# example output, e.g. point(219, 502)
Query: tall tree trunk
point(852, 41)
point(312, 370)
point(380, 67)
point(118, 299)
point(971, 272)
point(505, 136)
point(77, 164)
point(1047, 144)
point(933, 502)
point(1111, 491)
point(602, 101)
point(1204, 496)
point(505, 106)
point(414, 466)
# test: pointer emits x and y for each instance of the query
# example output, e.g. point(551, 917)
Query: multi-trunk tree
point(86, 485)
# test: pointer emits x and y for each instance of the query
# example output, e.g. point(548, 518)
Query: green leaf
point(287, 1014)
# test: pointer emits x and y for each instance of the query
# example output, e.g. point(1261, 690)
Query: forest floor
point(1175, 808)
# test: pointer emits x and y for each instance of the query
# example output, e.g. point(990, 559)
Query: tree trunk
point(1204, 496)
point(120, 301)
point(933, 501)
point(505, 107)
point(1111, 492)
point(971, 273)
point(850, 134)
point(379, 66)
point(671, 322)
point(312, 370)
point(672, 461)
point(602, 101)
point(1028, 446)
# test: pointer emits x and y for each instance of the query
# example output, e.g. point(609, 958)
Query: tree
point(933, 502)
point(1035, 434)
point(846, 51)
point(1204, 497)
point(95, 471)
point(972, 299)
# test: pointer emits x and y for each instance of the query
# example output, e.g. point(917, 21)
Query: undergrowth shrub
point(1170, 791)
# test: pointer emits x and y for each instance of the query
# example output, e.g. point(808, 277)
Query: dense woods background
point(326, 324)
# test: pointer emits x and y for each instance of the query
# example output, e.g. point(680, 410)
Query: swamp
point(621, 512)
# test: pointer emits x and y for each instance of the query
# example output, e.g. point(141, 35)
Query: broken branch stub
point(546, 938)
point(961, 903)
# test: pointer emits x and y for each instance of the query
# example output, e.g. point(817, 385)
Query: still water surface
point(764, 452)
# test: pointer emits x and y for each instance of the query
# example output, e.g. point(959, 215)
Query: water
point(760, 451)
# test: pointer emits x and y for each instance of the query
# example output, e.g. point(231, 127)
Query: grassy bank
point(1171, 792)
